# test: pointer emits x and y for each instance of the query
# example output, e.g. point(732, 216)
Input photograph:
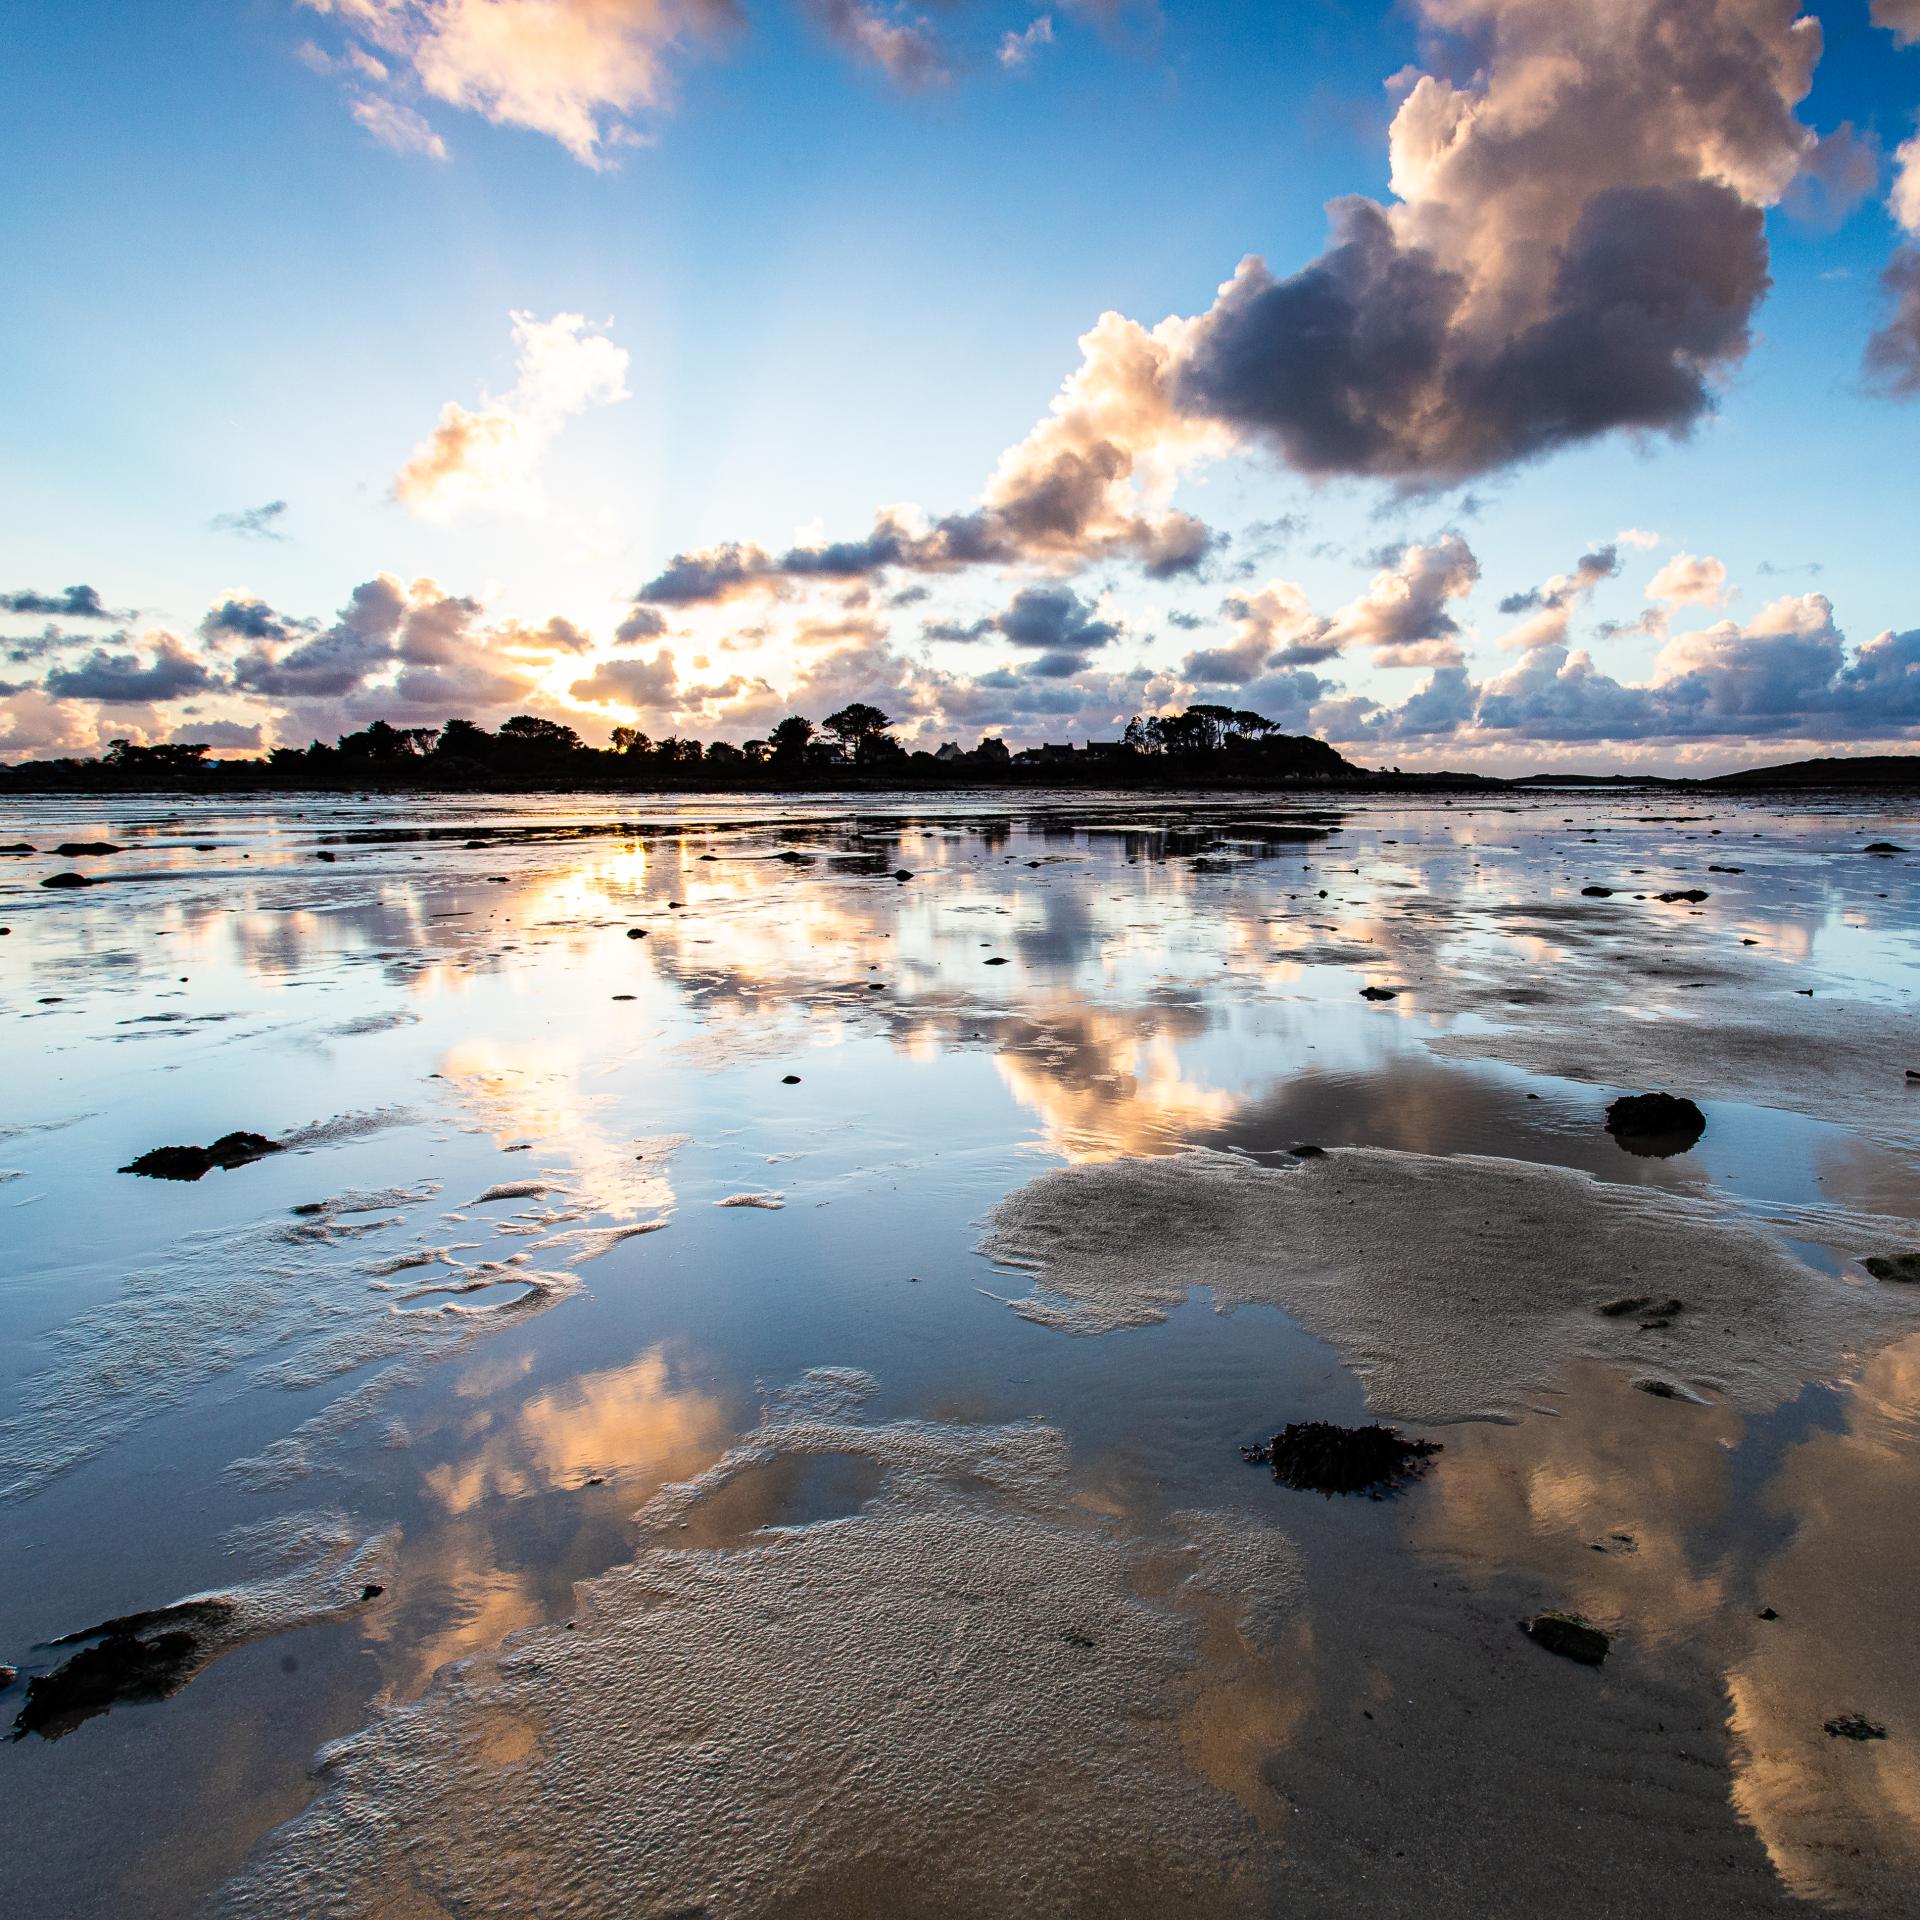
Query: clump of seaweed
point(1317, 1457)
point(193, 1163)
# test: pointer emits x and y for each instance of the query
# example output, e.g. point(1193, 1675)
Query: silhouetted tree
point(170, 756)
point(860, 729)
point(790, 739)
point(548, 738)
point(462, 740)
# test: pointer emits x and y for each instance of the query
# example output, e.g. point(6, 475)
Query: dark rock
point(903, 873)
point(192, 1163)
point(636, 933)
point(68, 880)
point(1378, 993)
point(19, 846)
point(371, 1592)
point(1317, 1457)
point(789, 1079)
point(1855, 1726)
point(1726, 869)
point(1695, 894)
point(84, 849)
point(1571, 1635)
point(997, 961)
point(1884, 846)
point(1662, 1389)
point(1767, 1613)
point(1903, 1267)
point(324, 855)
point(1637, 1303)
point(1307, 1151)
point(1597, 893)
point(1655, 1125)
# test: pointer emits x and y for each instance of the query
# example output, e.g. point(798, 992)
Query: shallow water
point(524, 1307)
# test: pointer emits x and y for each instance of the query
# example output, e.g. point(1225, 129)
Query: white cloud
point(1017, 49)
point(1690, 580)
point(398, 128)
point(490, 457)
point(1904, 201)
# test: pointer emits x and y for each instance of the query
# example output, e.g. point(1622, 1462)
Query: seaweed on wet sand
point(1855, 1726)
point(193, 1163)
point(136, 1657)
point(1316, 1456)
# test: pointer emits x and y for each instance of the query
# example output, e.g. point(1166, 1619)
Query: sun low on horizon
point(1494, 385)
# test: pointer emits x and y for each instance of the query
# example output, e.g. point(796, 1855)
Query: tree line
point(858, 737)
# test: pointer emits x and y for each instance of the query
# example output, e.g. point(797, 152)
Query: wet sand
point(747, 1419)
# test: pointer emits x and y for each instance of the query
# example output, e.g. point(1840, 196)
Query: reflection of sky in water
point(1165, 984)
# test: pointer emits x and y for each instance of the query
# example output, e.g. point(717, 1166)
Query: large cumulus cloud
point(1574, 247)
point(1788, 673)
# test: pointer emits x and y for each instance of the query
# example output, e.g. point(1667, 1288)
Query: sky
point(1513, 385)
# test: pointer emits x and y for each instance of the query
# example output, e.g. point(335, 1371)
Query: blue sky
point(837, 290)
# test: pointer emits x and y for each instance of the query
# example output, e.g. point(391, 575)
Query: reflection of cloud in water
point(492, 1567)
point(1107, 1084)
point(1841, 1818)
point(631, 1418)
point(1554, 1497)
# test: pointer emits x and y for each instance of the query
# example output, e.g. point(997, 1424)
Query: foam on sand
point(1454, 1285)
point(902, 1709)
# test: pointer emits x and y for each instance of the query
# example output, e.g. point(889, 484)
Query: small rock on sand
point(1883, 846)
point(1378, 993)
point(1655, 1125)
point(1596, 893)
point(1903, 1267)
point(84, 849)
point(68, 880)
point(1692, 894)
point(1571, 1635)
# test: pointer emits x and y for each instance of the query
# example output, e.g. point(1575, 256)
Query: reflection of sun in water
point(531, 1091)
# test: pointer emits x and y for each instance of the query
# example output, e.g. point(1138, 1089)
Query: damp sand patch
point(900, 1709)
point(1457, 1286)
point(1830, 1058)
